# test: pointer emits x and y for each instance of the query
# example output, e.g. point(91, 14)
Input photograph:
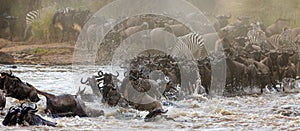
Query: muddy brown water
point(269, 111)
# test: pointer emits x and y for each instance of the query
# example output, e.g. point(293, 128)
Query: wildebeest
point(222, 21)
point(11, 117)
point(109, 91)
point(135, 93)
point(2, 100)
point(277, 26)
point(14, 87)
point(86, 97)
point(93, 83)
point(63, 105)
point(70, 21)
point(24, 115)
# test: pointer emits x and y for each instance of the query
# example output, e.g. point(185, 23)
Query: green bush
point(38, 51)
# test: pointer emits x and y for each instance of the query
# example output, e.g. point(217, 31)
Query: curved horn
point(11, 108)
point(84, 82)
point(22, 105)
point(117, 74)
point(100, 73)
point(125, 73)
point(80, 91)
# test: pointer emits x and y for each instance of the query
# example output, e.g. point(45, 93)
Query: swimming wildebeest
point(14, 87)
point(109, 91)
point(63, 105)
point(24, 115)
point(135, 93)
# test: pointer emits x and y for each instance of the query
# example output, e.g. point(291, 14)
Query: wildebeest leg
point(261, 88)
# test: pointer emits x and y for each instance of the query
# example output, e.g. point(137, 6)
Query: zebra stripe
point(66, 10)
point(283, 40)
point(256, 35)
point(32, 16)
point(188, 45)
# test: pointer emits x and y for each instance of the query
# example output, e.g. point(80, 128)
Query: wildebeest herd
point(256, 56)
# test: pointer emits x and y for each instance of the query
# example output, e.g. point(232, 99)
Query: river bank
point(37, 53)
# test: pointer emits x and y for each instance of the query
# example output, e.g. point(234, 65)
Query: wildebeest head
point(28, 115)
point(109, 89)
point(24, 114)
point(11, 116)
point(14, 87)
point(3, 78)
point(25, 111)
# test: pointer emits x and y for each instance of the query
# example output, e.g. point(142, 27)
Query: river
point(269, 111)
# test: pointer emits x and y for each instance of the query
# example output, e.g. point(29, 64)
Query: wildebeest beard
point(14, 87)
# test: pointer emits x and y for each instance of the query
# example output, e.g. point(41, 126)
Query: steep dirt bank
point(38, 53)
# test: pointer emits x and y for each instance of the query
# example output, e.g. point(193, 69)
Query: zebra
point(256, 35)
point(35, 16)
point(31, 17)
point(188, 45)
point(283, 40)
point(66, 10)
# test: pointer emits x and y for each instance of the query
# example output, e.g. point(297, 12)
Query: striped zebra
point(31, 17)
point(283, 40)
point(256, 35)
point(187, 46)
point(35, 16)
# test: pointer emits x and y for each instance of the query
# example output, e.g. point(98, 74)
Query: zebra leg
point(30, 39)
point(25, 32)
point(62, 36)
